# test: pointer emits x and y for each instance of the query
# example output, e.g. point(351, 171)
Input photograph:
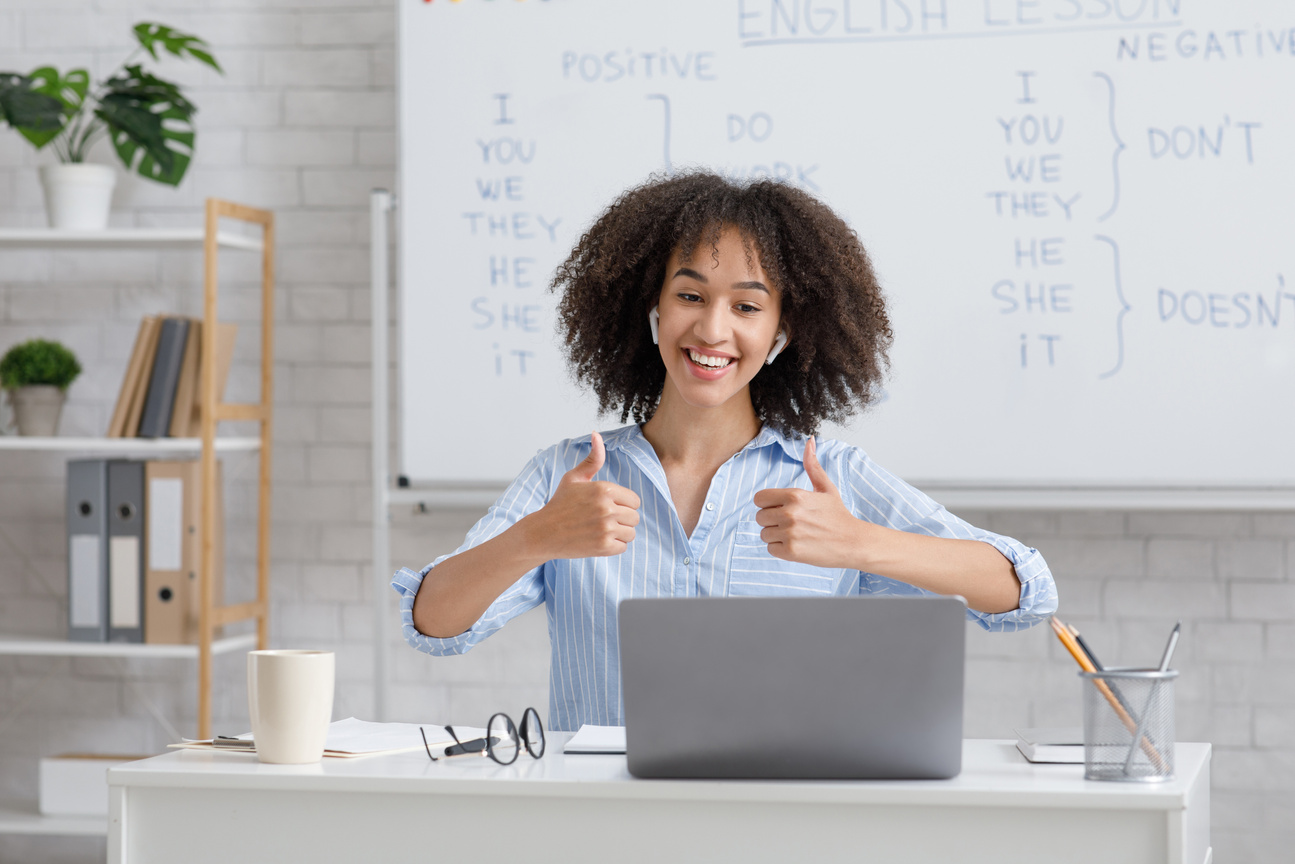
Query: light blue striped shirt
point(723, 557)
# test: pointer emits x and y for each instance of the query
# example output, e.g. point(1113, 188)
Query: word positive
point(612, 66)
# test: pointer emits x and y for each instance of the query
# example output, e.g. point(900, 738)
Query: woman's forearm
point(456, 592)
point(972, 568)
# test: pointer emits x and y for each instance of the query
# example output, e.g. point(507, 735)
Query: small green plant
point(38, 361)
point(148, 120)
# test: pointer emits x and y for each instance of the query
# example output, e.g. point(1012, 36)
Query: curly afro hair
point(831, 301)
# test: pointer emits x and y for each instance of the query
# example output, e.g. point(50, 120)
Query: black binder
point(125, 551)
point(87, 550)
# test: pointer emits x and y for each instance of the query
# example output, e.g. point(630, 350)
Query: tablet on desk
point(793, 687)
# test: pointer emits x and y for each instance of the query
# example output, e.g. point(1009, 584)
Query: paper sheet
point(597, 739)
point(352, 738)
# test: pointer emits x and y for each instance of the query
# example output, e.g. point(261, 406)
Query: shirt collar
point(793, 447)
point(619, 439)
point(625, 436)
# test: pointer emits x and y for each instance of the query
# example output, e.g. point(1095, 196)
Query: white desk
point(201, 807)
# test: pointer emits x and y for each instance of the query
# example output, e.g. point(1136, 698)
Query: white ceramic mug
point(290, 700)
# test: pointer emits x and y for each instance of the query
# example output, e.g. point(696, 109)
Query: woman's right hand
point(585, 518)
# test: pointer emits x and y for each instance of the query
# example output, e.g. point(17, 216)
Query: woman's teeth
point(709, 362)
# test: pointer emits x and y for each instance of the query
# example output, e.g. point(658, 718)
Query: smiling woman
point(830, 303)
point(728, 321)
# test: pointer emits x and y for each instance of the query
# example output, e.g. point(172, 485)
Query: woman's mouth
point(707, 361)
point(706, 364)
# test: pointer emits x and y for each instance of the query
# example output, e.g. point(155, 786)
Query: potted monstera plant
point(148, 121)
point(36, 375)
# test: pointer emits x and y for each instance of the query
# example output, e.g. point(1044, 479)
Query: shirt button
point(687, 560)
point(710, 505)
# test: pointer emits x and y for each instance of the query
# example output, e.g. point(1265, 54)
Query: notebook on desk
point(791, 687)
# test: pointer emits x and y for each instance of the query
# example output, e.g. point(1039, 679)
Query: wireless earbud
point(778, 345)
point(654, 321)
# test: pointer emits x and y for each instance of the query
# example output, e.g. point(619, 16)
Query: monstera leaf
point(26, 105)
point(68, 89)
point(153, 36)
point(148, 119)
point(150, 124)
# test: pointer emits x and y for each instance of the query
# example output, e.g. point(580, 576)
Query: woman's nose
point(713, 327)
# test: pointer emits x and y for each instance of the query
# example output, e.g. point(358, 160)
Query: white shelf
point(17, 818)
point(122, 238)
point(123, 446)
point(62, 648)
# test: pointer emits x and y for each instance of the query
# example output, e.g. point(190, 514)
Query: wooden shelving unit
point(21, 819)
point(255, 233)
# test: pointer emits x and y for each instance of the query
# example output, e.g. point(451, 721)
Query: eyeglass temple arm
point(426, 746)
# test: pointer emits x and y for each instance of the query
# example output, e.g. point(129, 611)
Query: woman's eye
point(689, 298)
point(747, 308)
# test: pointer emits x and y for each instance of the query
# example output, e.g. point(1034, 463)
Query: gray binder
point(87, 550)
point(125, 551)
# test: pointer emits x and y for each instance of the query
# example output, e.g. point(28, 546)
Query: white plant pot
point(78, 196)
point(37, 408)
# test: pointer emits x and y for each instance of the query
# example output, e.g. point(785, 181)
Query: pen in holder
point(1129, 724)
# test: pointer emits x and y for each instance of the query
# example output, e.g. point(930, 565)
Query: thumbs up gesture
point(811, 527)
point(587, 518)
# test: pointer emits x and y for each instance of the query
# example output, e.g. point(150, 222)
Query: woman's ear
point(778, 344)
point(654, 319)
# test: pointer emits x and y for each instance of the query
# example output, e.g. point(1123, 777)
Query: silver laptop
point(792, 687)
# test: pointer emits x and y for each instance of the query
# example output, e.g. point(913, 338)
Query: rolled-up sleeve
point(528, 493)
point(880, 497)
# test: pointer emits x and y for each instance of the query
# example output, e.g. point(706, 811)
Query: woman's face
point(719, 318)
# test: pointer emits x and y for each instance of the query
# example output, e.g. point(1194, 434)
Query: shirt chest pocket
point(752, 571)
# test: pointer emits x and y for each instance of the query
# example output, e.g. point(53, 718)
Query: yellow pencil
point(1086, 664)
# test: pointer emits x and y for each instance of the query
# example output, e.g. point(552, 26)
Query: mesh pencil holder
point(1129, 724)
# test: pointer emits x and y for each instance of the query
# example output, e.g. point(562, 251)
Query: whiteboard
point(1082, 213)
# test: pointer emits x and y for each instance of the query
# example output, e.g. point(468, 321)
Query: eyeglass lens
point(533, 733)
point(502, 735)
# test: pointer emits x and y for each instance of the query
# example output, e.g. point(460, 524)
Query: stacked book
point(161, 393)
point(1063, 744)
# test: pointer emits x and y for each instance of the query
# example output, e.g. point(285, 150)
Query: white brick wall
point(303, 122)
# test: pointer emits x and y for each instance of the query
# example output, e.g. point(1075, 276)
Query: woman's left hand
point(810, 527)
